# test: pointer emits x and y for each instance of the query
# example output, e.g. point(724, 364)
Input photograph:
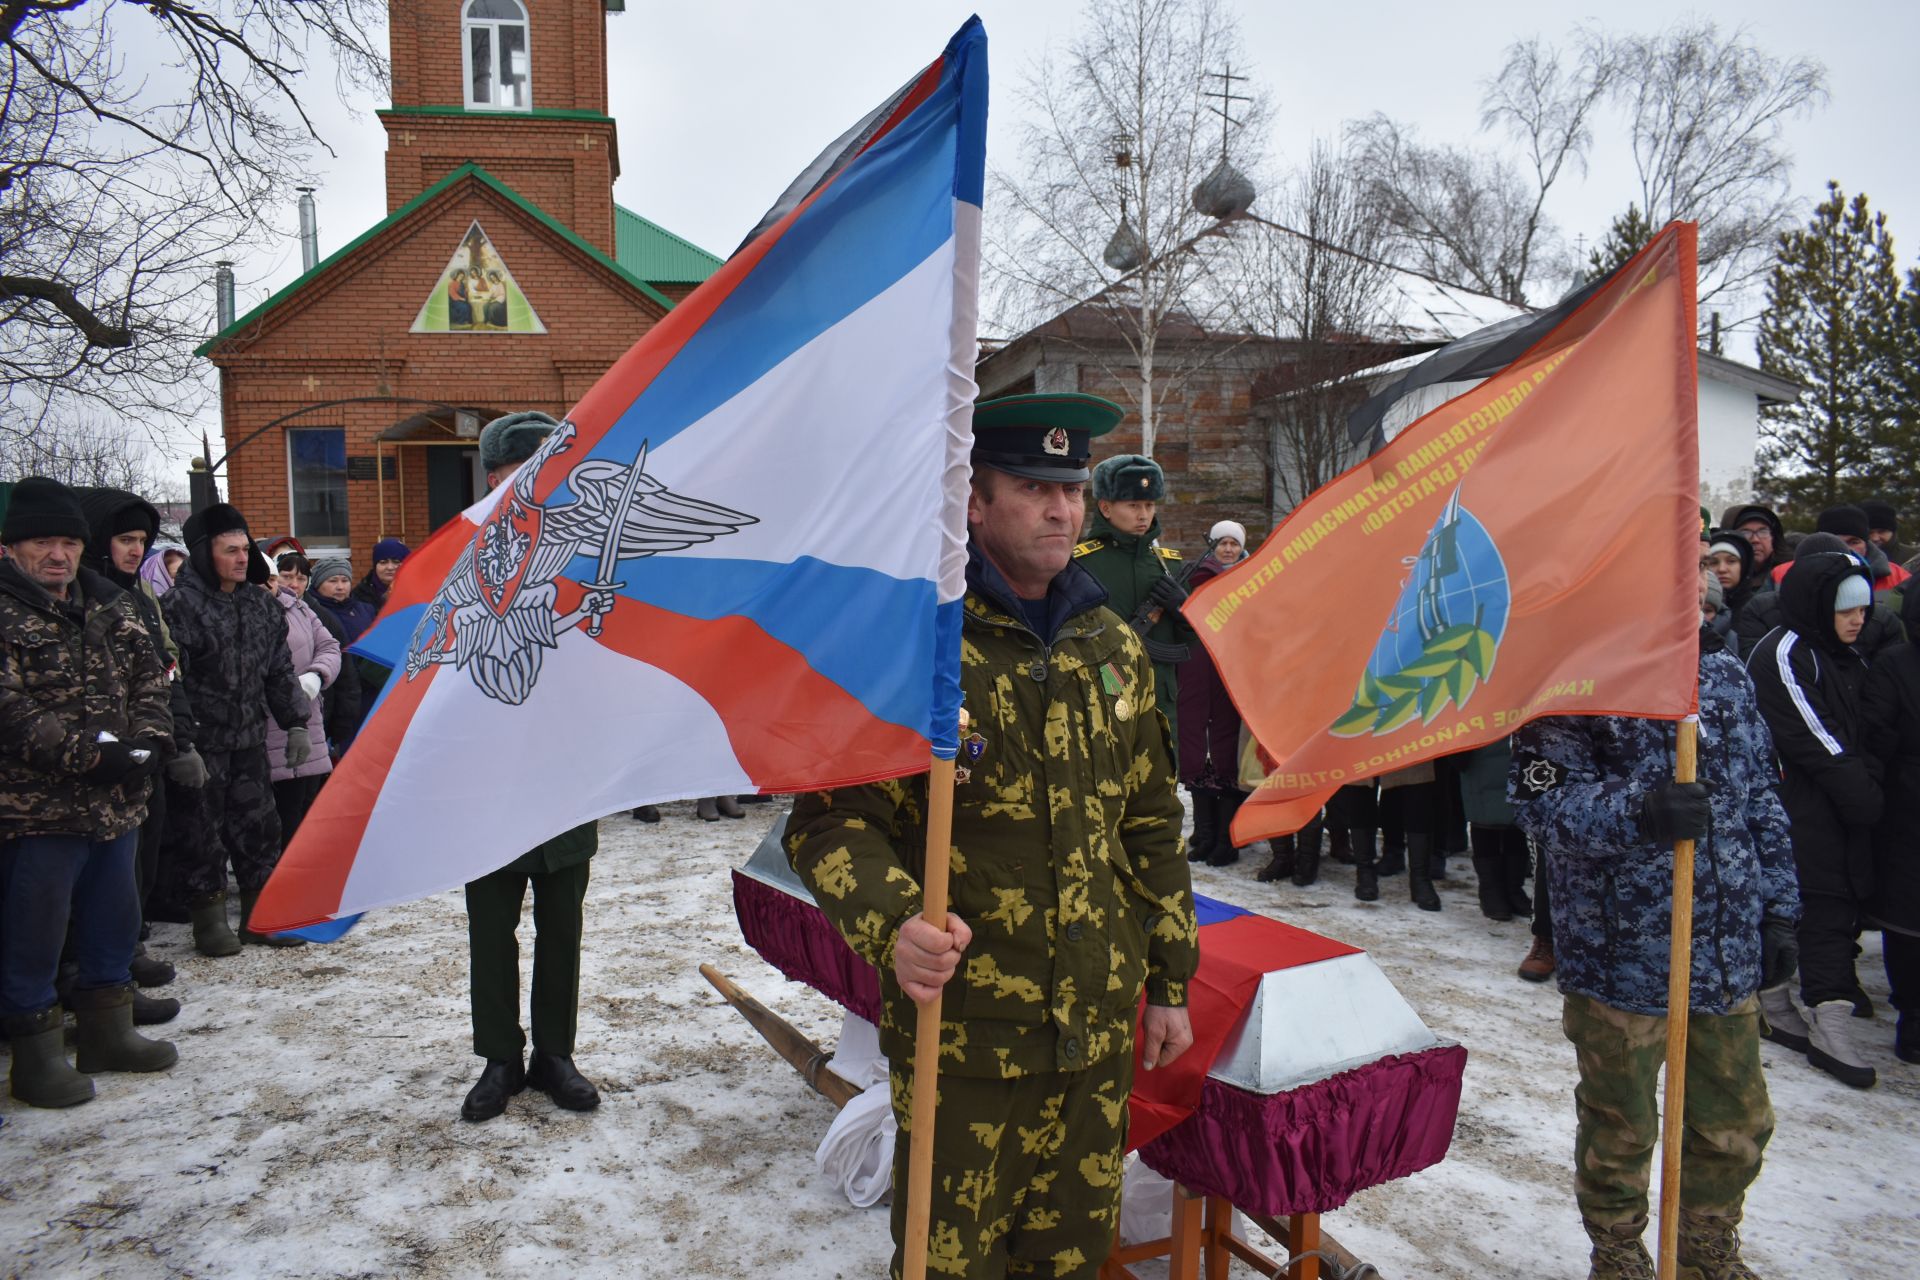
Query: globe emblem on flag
point(1443, 634)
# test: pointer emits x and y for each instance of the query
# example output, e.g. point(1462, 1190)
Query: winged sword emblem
point(496, 614)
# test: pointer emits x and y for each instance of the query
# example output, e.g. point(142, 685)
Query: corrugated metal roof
point(655, 254)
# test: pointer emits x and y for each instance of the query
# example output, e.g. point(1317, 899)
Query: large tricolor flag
point(735, 567)
point(1526, 549)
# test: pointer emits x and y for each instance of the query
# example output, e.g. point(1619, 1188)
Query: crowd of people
point(170, 711)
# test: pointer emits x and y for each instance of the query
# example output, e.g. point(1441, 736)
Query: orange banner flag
point(1526, 549)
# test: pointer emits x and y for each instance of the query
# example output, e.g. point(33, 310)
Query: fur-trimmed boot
point(212, 935)
point(41, 1075)
point(104, 1038)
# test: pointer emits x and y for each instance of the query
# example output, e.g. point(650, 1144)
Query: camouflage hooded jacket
point(66, 674)
point(1577, 783)
point(1067, 860)
point(234, 660)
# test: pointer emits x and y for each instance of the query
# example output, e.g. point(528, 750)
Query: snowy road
point(312, 1126)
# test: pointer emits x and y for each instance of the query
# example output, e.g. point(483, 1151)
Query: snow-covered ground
point(312, 1125)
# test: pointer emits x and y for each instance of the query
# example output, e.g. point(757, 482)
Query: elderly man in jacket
point(238, 671)
point(1597, 792)
point(83, 726)
point(1070, 892)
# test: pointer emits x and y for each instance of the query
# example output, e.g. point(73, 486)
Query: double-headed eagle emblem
point(496, 614)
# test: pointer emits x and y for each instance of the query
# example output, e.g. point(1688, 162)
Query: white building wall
point(1729, 444)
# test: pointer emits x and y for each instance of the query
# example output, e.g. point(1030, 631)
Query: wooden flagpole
point(1679, 1004)
point(926, 1040)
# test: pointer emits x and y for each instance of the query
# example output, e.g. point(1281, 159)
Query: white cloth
point(310, 684)
point(857, 1153)
point(1146, 1206)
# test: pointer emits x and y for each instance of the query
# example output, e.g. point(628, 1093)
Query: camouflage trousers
point(1728, 1122)
point(231, 819)
point(1026, 1172)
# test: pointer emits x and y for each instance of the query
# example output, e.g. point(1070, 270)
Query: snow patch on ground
point(312, 1125)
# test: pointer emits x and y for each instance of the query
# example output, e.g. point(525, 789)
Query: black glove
point(1677, 811)
point(1167, 593)
point(1779, 951)
point(122, 762)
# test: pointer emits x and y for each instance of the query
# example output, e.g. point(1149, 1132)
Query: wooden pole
point(805, 1056)
point(1679, 1004)
point(926, 1042)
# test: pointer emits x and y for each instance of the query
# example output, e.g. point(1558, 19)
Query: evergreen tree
point(1833, 304)
point(1898, 452)
point(1627, 236)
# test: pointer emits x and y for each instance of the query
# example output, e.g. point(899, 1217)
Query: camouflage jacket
point(67, 673)
point(234, 661)
point(1067, 861)
point(1577, 783)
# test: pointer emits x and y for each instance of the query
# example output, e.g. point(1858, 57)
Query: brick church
point(503, 277)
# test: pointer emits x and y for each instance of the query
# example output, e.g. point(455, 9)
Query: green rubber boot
point(212, 935)
point(105, 1039)
point(42, 1076)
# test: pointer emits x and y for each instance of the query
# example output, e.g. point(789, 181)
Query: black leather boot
point(1205, 815)
point(1366, 876)
point(499, 1080)
point(1419, 877)
point(1225, 852)
point(1281, 863)
point(1490, 871)
point(1306, 855)
point(1339, 847)
point(1392, 859)
point(556, 1077)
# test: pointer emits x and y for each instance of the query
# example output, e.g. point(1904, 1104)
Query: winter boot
point(648, 813)
point(1393, 854)
point(151, 1011)
point(104, 1036)
point(1225, 852)
point(1366, 876)
point(1906, 1038)
point(1780, 1019)
point(1830, 1045)
point(1538, 966)
point(1491, 872)
point(247, 898)
point(1436, 861)
point(706, 809)
point(149, 972)
point(1338, 846)
point(42, 1077)
point(1519, 865)
point(1205, 815)
point(1709, 1248)
point(1419, 866)
point(729, 806)
point(1306, 857)
point(212, 935)
point(1281, 864)
point(1618, 1253)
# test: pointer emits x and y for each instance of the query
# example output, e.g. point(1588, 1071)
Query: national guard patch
point(1536, 775)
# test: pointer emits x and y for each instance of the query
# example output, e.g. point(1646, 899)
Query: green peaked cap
point(1044, 436)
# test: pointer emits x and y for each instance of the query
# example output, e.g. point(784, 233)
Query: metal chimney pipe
point(222, 296)
point(309, 231)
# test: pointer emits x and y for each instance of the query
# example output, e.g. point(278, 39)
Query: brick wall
point(568, 40)
point(566, 167)
point(347, 335)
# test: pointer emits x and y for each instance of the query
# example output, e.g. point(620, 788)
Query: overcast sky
point(720, 105)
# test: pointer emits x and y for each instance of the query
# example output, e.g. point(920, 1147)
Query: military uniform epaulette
point(1090, 546)
point(1167, 553)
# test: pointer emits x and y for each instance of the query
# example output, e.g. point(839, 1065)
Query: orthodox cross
point(1227, 97)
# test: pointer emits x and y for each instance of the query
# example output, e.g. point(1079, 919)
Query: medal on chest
point(1119, 688)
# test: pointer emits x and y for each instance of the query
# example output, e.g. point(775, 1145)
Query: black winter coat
point(1891, 709)
point(234, 657)
point(1810, 687)
point(1763, 612)
point(340, 704)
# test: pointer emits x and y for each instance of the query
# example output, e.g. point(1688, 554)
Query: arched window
point(499, 73)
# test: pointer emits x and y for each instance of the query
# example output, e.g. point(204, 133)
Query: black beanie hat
point(1848, 522)
point(202, 527)
point(1881, 515)
point(43, 508)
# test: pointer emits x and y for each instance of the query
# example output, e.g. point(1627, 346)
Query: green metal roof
point(480, 175)
point(655, 254)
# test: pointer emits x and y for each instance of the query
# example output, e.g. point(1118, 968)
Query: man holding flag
point(1070, 894)
point(1597, 794)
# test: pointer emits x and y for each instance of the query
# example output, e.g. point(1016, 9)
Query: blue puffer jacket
point(1577, 784)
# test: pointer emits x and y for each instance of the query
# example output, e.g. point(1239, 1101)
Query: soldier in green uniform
point(1143, 579)
point(1070, 894)
point(557, 871)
